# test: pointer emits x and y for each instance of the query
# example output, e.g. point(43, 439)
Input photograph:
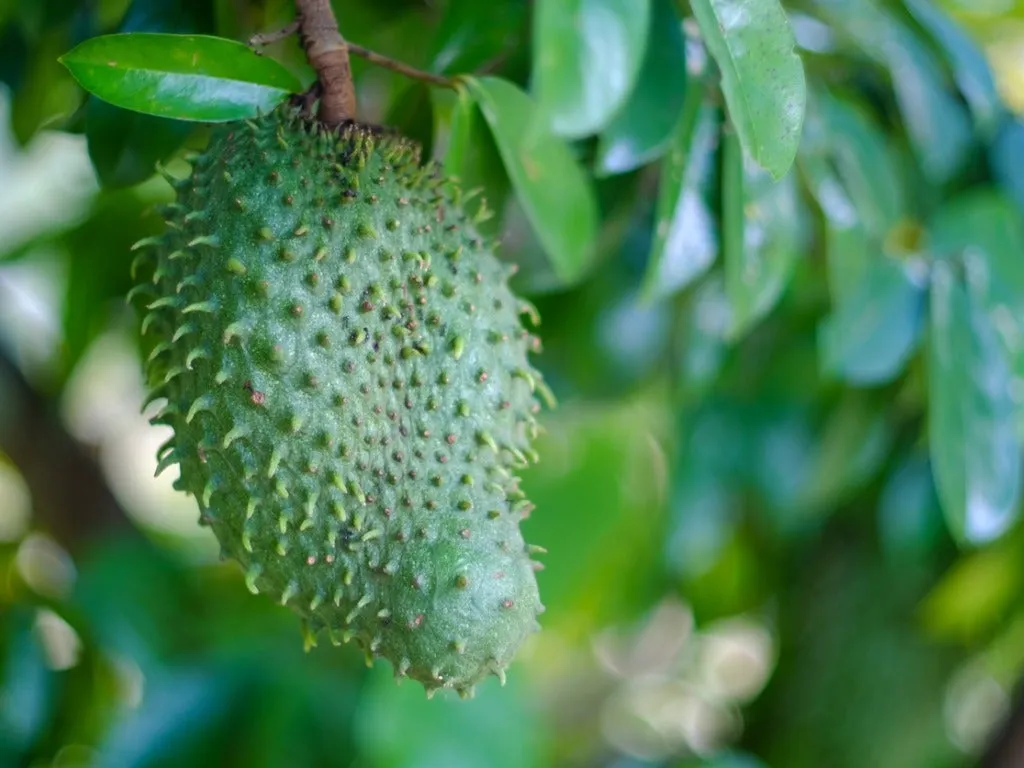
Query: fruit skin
point(347, 379)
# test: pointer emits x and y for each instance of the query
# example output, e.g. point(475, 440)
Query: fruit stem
point(402, 69)
point(327, 52)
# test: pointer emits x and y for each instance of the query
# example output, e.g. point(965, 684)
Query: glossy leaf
point(186, 77)
point(936, 122)
point(586, 58)
point(762, 235)
point(875, 328)
point(685, 230)
point(970, 67)
point(762, 76)
point(974, 450)
point(554, 191)
point(643, 127)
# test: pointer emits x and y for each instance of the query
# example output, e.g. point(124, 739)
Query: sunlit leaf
point(643, 127)
point(763, 232)
point(685, 230)
point(974, 449)
point(186, 77)
point(553, 189)
point(762, 76)
point(586, 57)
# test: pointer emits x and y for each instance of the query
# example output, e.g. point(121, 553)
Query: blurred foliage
point(781, 494)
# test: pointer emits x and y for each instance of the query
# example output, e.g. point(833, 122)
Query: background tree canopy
point(779, 257)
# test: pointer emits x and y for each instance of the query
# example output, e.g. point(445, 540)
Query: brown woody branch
point(328, 55)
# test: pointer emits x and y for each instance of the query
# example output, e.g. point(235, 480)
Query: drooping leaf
point(763, 231)
point(975, 453)
point(968, 62)
point(586, 57)
point(186, 77)
point(685, 231)
point(642, 128)
point(552, 187)
point(876, 326)
point(762, 76)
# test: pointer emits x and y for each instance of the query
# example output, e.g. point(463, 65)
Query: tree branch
point(328, 55)
point(397, 66)
point(69, 493)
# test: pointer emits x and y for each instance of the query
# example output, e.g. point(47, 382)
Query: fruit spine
point(346, 375)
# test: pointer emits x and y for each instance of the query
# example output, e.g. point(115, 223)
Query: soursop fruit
point(346, 374)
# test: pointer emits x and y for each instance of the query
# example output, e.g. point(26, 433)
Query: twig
point(261, 39)
point(328, 55)
point(397, 66)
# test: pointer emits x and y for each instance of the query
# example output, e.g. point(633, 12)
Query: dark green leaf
point(586, 57)
point(642, 128)
point(125, 146)
point(910, 520)
point(26, 689)
point(874, 328)
point(553, 189)
point(186, 77)
point(472, 33)
point(762, 235)
point(411, 112)
point(974, 450)
point(970, 67)
point(936, 122)
point(685, 231)
point(762, 76)
point(473, 159)
point(1004, 158)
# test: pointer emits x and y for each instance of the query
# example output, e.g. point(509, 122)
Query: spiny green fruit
point(347, 379)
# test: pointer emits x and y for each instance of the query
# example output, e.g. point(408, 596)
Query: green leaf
point(974, 451)
point(762, 235)
point(910, 523)
point(642, 128)
point(936, 122)
point(473, 159)
point(186, 77)
point(762, 76)
point(396, 727)
point(685, 230)
point(554, 191)
point(472, 33)
point(1004, 158)
point(586, 58)
point(125, 146)
point(875, 328)
point(970, 67)
point(983, 231)
point(27, 690)
point(863, 162)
